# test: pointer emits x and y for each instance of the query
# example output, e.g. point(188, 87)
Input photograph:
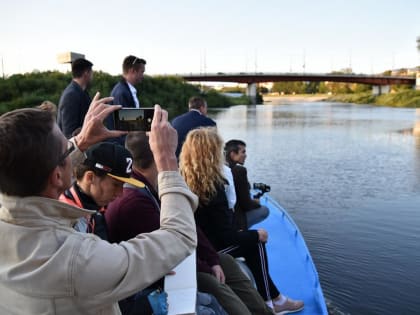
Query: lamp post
point(418, 66)
point(2, 67)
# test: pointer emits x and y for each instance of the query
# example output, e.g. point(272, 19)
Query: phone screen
point(133, 119)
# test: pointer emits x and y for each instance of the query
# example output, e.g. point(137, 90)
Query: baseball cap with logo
point(113, 159)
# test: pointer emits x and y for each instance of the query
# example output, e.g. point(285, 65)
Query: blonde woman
point(201, 165)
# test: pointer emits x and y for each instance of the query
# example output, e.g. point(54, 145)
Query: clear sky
point(195, 36)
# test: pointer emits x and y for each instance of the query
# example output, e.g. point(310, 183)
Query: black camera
point(263, 188)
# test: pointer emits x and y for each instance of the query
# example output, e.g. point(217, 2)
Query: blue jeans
point(256, 215)
point(208, 305)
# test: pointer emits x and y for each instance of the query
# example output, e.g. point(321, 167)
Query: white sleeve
point(230, 188)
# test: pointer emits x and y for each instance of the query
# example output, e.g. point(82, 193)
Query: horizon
point(190, 37)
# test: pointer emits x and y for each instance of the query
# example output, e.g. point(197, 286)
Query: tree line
point(31, 89)
point(298, 87)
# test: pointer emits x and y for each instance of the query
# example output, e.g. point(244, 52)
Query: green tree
point(31, 89)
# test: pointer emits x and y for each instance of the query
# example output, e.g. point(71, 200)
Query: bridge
point(380, 83)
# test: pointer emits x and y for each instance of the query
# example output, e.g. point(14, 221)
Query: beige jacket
point(46, 267)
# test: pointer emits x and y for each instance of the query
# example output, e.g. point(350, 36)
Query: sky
point(192, 36)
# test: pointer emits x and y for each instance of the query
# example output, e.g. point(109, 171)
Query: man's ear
point(55, 184)
point(88, 177)
point(56, 177)
point(203, 109)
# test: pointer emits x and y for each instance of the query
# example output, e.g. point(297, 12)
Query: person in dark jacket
point(124, 92)
point(196, 117)
point(248, 211)
point(99, 180)
point(75, 100)
point(201, 165)
point(138, 211)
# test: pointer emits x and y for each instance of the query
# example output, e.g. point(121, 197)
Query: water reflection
point(416, 135)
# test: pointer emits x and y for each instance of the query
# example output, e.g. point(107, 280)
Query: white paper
point(182, 287)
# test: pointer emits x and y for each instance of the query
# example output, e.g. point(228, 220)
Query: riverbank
point(406, 98)
point(278, 100)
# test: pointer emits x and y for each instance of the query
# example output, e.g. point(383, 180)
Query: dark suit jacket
point(244, 202)
point(72, 108)
point(122, 95)
point(187, 122)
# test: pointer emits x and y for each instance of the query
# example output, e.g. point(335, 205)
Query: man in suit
point(124, 92)
point(248, 211)
point(75, 100)
point(196, 117)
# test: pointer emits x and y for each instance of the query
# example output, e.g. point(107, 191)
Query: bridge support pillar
point(380, 89)
point(251, 91)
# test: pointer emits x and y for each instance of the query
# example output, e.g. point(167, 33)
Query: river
point(350, 177)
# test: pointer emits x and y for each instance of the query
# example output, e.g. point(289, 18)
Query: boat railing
point(298, 239)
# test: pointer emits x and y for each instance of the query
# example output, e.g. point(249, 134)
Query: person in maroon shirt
point(138, 211)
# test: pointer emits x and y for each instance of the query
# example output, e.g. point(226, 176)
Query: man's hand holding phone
point(163, 140)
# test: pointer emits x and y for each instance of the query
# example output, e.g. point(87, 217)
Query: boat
point(291, 266)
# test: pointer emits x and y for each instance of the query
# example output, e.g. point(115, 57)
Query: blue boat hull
point(290, 263)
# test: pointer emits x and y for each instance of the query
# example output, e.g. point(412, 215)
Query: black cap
point(113, 159)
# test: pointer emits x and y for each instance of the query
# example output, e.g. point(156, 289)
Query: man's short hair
point(80, 66)
point(196, 102)
point(81, 169)
point(232, 146)
point(132, 62)
point(29, 151)
point(138, 144)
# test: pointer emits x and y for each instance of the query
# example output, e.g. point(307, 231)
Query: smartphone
point(133, 119)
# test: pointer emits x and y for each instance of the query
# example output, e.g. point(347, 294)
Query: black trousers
point(256, 259)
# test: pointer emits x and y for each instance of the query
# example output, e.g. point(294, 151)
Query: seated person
point(196, 117)
point(248, 211)
point(99, 180)
point(201, 165)
point(138, 211)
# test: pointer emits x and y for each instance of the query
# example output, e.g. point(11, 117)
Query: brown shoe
point(290, 306)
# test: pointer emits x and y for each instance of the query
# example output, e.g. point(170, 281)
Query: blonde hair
point(201, 162)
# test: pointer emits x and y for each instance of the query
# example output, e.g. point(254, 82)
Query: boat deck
point(290, 263)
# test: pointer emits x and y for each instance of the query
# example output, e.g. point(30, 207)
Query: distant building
point(68, 57)
point(404, 71)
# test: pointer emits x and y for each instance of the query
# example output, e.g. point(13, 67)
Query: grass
point(406, 98)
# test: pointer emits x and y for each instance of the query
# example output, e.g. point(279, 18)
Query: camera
point(263, 188)
point(133, 119)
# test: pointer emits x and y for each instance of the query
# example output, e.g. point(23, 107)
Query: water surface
point(350, 177)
